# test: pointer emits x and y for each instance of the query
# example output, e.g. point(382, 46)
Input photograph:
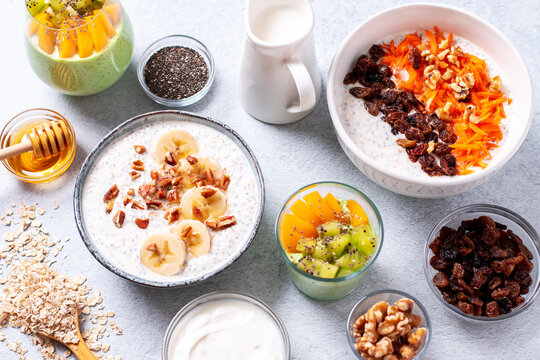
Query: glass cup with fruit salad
point(329, 234)
point(79, 47)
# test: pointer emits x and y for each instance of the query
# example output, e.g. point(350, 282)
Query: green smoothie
point(88, 75)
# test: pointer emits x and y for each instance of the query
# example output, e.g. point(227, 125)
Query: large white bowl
point(417, 17)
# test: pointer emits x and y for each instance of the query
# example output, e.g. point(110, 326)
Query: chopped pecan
point(137, 165)
point(177, 180)
point(211, 223)
point(137, 205)
point(209, 175)
point(126, 200)
point(404, 143)
point(225, 222)
point(134, 174)
point(173, 215)
point(131, 192)
point(169, 159)
point(111, 194)
point(191, 160)
point(118, 218)
point(153, 204)
point(173, 196)
point(139, 149)
point(152, 247)
point(208, 192)
point(225, 181)
point(197, 213)
point(147, 190)
point(161, 194)
point(165, 181)
point(154, 175)
point(186, 231)
point(142, 223)
point(109, 207)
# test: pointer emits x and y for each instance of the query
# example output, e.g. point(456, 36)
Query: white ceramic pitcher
point(279, 79)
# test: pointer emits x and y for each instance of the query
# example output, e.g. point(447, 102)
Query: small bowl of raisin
point(482, 262)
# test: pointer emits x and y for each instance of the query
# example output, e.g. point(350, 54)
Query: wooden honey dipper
point(48, 139)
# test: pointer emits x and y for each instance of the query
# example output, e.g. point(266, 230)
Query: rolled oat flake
point(176, 72)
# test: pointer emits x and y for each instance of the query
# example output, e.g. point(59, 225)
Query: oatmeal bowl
point(428, 100)
point(169, 199)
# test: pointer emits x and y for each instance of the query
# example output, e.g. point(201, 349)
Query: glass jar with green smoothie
point(79, 47)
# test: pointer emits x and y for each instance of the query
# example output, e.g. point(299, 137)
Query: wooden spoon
point(80, 350)
point(45, 140)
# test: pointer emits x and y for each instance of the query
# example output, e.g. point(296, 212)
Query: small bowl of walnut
point(482, 262)
point(389, 325)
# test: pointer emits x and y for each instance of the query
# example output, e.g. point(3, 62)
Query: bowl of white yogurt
point(367, 140)
point(226, 325)
point(120, 247)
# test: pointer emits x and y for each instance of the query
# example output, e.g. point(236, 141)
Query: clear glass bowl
point(390, 296)
point(15, 130)
point(177, 40)
point(322, 288)
point(221, 295)
point(516, 223)
point(73, 75)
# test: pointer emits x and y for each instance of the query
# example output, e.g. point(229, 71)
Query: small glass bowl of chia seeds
point(176, 70)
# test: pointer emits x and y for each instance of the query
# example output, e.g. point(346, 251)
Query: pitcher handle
point(304, 85)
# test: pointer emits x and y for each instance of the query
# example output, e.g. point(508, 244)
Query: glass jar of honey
point(27, 167)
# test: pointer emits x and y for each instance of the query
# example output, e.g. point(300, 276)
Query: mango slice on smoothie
point(319, 206)
point(304, 212)
point(84, 42)
point(106, 22)
point(358, 215)
point(294, 228)
point(66, 40)
point(97, 32)
point(46, 39)
point(114, 11)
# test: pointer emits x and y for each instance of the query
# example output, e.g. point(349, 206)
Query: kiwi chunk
point(322, 252)
point(338, 244)
point(364, 240)
point(310, 265)
point(295, 257)
point(330, 228)
point(35, 6)
point(352, 260)
point(327, 270)
point(306, 246)
point(344, 272)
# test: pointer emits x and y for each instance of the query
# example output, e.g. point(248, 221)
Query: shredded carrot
point(475, 115)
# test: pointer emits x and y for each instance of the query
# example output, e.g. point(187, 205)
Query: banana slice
point(178, 142)
point(203, 202)
point(163, 253)
point(196, 236)
point(205, 168)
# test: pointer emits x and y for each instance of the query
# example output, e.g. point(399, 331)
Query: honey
point(27, 166)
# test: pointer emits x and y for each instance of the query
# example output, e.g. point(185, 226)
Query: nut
point(209, 175)
point(161, 194)
point(443, 54)
point(142, 223)
point(186, 231)
point(137, 165)
point(109, 207)
point(208, 192)
point(126, 200)
point(225, 181)
point(111, 194)
point(139, 149)
point(177, 180)
point(444, 44)
point(225, 222)
point(118, 218)
point(134, 174)
point(163, 182)
point(137, 205)
point(448, 74)
point(153, 204)
point(169, 159)
point(173, 215)
point(131, 192)
point(197, 213)
point(191, 160)
point(496, 84)
point(152, 247)
point(172, 196)
point(154, 175)
point(211, 223)
point(147, 190)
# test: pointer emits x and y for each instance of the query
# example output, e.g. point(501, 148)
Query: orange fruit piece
point(41, 18)
point(46, 39)
point(114, 11)
point(319, 206)
point(97, 32)
point(106, 22)
point(358, 215)
point(84, 42)
point(339, 214)
point(304, 212)
point(292, 229)
point(66, 40)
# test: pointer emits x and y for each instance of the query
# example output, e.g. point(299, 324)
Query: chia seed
point(176, 72)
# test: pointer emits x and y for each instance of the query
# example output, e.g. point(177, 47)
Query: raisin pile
point(483, 268)
point(427, 137)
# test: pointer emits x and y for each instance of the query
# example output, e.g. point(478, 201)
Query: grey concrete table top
point(290, 156)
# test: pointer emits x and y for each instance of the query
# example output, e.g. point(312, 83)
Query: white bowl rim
point(432, 181)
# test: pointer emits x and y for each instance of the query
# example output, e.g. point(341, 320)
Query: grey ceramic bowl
point(132, 125)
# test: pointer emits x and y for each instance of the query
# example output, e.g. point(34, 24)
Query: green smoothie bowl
point(329, 234)
point(81, 49)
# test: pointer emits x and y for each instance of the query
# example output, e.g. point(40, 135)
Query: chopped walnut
point(496, 84)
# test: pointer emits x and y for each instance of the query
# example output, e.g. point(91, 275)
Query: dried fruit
point(415, 58)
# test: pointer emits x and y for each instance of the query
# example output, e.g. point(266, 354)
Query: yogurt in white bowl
point(117, 248)
point(475, 36)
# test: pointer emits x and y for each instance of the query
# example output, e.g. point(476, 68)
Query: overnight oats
point(171, 201)
point(443, 106)
point(79, 47)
